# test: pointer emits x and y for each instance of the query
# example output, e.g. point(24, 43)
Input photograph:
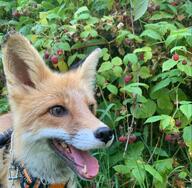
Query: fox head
point(53, 113)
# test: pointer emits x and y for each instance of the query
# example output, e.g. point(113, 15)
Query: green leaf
point(151, 34)
point(112, 88)
point(116, 61)
point(139, 175)
point(187, 136)
point(144, 72)
point(62, 45)
point(147, 52)
point(105, 66)
point(139, 8)
point(167, 65)
point(186, 109)
point(164, 166)
point(100, 80)
point(168, 124)
point(161, 15)
point(178, 48)
point(117, 70)
point(161, 84)
point(154, 119)
point(83, 16)
point(153, 172)
point(81, 10)
point(131, 57)
point(132, 89)
point(144, 110)
point(187, 69)
point(122, 169)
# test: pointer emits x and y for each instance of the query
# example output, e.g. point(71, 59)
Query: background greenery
point(144, 88)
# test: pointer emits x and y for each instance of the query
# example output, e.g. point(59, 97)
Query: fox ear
point(22, 63)
point(88, 68)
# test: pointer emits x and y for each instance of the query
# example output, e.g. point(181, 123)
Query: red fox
point(53, 120)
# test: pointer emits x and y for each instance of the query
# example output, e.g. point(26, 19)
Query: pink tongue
point(87, 165)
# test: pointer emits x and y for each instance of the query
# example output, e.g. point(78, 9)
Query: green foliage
point(141, 88)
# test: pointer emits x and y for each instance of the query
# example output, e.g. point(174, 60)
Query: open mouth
point(81, 162)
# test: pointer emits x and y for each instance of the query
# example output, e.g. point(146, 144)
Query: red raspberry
point(46, 55)
point(132, 139)
point(175, 57)
point(122, 139)
point(59, 52)
point(127, 78)
point(168, 138)
point(174, 3)
point(54, 59)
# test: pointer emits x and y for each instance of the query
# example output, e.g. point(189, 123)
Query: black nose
point(104, 134)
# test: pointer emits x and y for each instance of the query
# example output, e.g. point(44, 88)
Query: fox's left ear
point(88, 68)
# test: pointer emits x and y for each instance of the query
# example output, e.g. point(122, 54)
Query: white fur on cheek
point(85, 140)
point(46, 133)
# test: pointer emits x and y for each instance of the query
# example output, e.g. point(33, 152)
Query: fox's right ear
point(22, 63)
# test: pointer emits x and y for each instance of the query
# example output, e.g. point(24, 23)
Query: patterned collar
point(17, 171)
point(27, 181)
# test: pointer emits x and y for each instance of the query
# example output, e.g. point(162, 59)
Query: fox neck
point(41, 162)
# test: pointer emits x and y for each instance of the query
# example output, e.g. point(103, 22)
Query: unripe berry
point(177, 122)
point(184, 62)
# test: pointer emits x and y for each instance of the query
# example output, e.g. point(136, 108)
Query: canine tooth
point(84, 170)
point(68, 150)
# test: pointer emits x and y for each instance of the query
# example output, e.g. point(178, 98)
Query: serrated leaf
point(139, 8)
point(187, 136)
point(154, 119)
point(164, 166)
point(105, 66)
point(117, 70)
point(161, 84)
point(131, 57)
point(178, 48)
point(187, 69)
point(151, 34)
point(132, 89)
point(168, 124)
point(116, 61)
point(144, 110)
point(167, 65)
point(112, 88)
point(186, 109)
point(153, 172)
point(144, 72)
point(122, 169)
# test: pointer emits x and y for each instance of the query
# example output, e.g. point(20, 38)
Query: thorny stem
point(154, 150)
point(130, 128)
point(131, 11)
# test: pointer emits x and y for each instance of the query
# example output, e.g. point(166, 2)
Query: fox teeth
point(68, 149)
point(84, 170)
point(63, 145)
